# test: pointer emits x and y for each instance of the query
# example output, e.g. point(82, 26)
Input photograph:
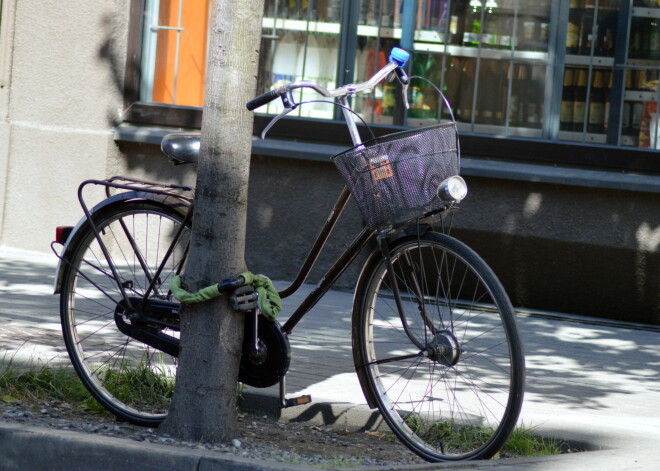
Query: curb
point(36, 449)
point(24, 447)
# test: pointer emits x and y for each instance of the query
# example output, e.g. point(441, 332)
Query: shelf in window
point(301, 25)
point(640, 95)
point(376, 32)
point(495, 130)
point(582, 137)
point(483, 52)
point(630, 141)
point(646, 12)
point(572, 59)
point(642, 63)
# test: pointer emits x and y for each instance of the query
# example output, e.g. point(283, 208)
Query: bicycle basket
point(394, 178)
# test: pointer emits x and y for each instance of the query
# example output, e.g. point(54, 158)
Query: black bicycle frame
point(333, 272)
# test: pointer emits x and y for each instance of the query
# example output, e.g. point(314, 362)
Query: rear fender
point(81, 227)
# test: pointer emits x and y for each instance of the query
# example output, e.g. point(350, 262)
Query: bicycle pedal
point(297, 401)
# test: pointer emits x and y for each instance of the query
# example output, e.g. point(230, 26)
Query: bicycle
point(435, 341)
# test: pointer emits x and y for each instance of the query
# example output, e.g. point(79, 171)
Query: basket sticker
point(380, 167)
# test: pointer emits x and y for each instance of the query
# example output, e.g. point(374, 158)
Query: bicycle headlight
point(453, 189)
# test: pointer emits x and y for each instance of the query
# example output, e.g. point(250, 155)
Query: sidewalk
point(589, 381)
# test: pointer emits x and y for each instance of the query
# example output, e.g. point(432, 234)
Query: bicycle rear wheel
point(131, 379)
point(446, 366)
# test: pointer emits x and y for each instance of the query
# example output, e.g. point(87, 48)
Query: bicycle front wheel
point(443, 363)
point(129, 378)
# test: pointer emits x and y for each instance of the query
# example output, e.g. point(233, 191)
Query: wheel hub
point(444, 348)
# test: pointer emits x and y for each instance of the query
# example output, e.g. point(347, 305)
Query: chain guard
point(270, 367)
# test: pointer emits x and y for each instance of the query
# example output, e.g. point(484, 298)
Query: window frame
point(515, 149)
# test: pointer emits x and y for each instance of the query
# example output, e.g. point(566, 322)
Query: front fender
point(81, 227)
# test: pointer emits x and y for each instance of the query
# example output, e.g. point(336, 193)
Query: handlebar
point(398, 58)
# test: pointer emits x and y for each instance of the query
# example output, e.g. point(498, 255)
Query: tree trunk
point(204, 403)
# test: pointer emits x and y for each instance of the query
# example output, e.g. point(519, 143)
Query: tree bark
point(204, 403)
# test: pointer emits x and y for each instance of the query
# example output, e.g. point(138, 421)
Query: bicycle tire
point(132, 380)
point(460, 397)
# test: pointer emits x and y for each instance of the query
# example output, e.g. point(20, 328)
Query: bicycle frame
point(337, 268)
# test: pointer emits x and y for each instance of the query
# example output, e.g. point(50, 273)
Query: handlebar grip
point(263, 99)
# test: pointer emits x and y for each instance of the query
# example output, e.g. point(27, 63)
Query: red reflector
point(62, 234)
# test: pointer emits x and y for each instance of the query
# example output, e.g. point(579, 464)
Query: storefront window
point(569, 71)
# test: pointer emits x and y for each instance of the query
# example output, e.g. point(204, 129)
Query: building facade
point(555, 101)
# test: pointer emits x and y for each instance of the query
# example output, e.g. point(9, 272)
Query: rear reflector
point(62, 233)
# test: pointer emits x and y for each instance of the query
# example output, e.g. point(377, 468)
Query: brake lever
point(405, 81)
point(289, 106)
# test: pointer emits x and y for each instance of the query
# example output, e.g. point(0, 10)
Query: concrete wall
point(64, 100)
point(570, 249)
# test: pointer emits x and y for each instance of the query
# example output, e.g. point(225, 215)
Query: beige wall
point(63, 65)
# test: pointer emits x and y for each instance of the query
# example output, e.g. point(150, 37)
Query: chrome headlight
point(453, 189)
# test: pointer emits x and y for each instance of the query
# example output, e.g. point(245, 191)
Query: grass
point(142, 385)
point(133, 386)
point(522, 442)
point(45, 384)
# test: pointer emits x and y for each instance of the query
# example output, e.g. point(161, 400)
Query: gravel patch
point(260, 436)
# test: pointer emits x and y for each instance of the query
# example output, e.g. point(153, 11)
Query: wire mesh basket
point(394, 179)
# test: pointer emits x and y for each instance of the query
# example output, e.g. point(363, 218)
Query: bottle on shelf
point(528, 27)
point(586, 32)
point(387, 13)
point(466, 94)
point(472, 30)
point(334, 10)
point(596, 123)
point(567, 100)
point(573, 30)
point(626, 112)
point(518, 95)
point(487, 93)
point(654, 39)
point(636, 116)
point(608, 78)
point(505, 31)
point(364, 12)
point(533, 101)
point(490, 33)
point(456, 24)
point(452, 84)
point(423, 103)
point(580, 100)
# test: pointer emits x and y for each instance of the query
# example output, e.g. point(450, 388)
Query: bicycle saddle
point(182, 147)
